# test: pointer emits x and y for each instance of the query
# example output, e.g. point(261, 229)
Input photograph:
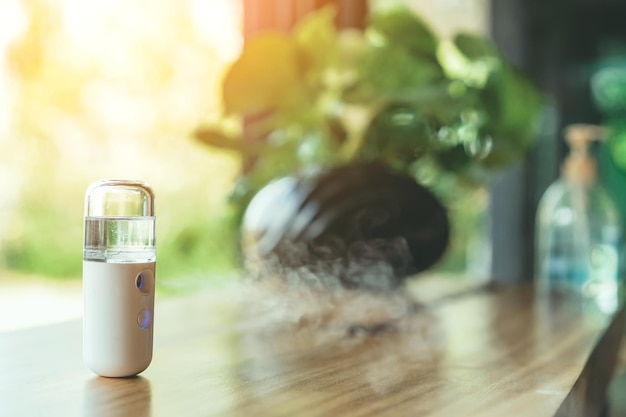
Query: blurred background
point(92, 89)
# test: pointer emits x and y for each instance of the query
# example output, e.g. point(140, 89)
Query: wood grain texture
point(482, 353)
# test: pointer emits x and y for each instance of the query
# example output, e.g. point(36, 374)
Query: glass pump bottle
point(119, 259)
point(578, 229)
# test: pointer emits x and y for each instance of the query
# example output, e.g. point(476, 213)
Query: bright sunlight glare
point(214, 20)
point(94, 89)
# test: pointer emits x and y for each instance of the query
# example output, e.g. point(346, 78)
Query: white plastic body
point(114, 342)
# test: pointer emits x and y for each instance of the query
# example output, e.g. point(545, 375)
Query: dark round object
point(399, 131)
point(357, 217)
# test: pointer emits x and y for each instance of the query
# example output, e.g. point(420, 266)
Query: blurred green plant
point(608, 88)
point(394, 92)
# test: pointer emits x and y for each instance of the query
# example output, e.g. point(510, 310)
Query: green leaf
point(217, 139)
point(476, 47)
point(512, 105)
point(265, 77)
point(617, 144)
point(392, 71)
point(316, 40)
point(509, 100)
point(337, 132)
point(405, 29)
point(457, 66)
point(398, 133)
point(608, 88)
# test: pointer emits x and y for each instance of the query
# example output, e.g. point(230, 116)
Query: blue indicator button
point(144, 319)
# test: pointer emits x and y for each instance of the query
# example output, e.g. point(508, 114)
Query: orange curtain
point(282, 14)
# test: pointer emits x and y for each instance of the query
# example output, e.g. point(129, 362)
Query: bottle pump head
point(579, 166)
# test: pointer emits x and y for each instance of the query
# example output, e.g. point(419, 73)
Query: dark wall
point(559, 43)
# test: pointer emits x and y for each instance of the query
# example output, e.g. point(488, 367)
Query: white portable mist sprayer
point(119, 259)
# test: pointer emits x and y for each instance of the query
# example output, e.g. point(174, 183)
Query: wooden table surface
point(476, 353)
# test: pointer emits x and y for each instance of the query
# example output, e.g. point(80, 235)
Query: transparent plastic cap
point(119, 198)
point(119, 222)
